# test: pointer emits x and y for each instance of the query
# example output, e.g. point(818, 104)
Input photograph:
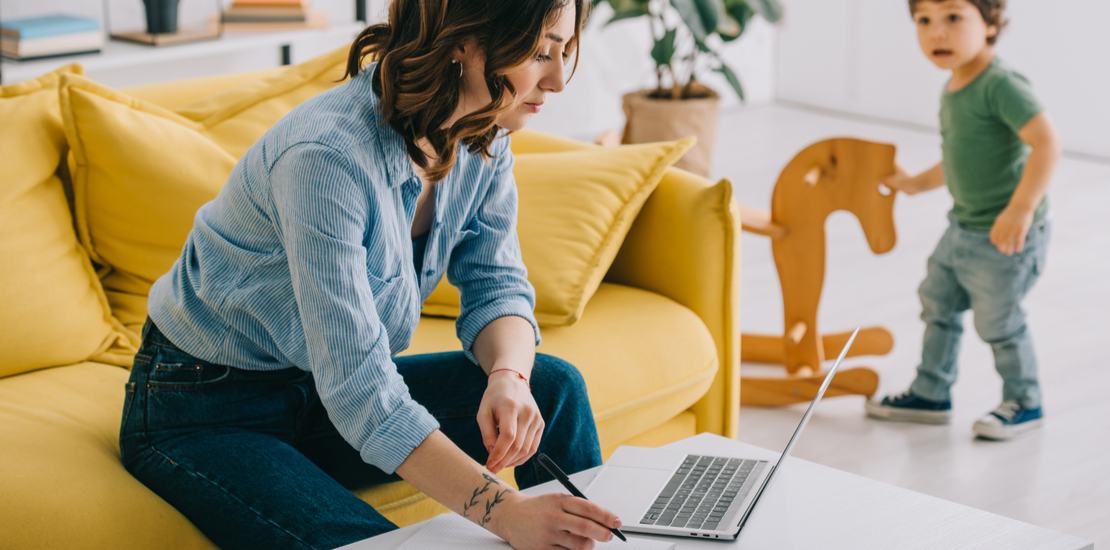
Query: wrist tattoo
point(490, 503)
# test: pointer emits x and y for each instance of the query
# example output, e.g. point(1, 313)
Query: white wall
point(614, 60)
point(861, 56)
point(128, 15)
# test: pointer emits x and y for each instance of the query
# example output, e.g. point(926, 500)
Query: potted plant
point(161, 16)
point(688, 36)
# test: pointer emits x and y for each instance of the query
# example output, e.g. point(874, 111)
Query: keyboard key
point(672, 486)
point(710, 525)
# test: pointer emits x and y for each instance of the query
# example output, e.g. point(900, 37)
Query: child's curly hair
point(992, 11)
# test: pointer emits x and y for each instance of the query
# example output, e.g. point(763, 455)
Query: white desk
point(815, 507)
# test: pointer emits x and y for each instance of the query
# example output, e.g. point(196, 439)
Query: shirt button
point(430, 272)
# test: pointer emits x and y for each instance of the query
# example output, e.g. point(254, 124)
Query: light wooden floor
point(1057, 478)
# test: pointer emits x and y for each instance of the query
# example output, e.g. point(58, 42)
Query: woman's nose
point(554, 81)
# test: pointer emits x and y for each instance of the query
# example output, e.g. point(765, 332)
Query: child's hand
point(901, 181)
point(1010, 228)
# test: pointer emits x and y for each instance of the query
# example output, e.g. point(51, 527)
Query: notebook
point(454, 532)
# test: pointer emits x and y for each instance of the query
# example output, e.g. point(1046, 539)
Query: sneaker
point(906, 407)
point(1008, 421)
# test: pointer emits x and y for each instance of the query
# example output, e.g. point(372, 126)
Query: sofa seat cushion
point(64, 485)
point(645, 358)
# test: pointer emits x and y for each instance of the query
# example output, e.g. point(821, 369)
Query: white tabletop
point(815, 507)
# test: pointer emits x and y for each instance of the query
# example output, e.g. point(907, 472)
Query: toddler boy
point(1000, 150)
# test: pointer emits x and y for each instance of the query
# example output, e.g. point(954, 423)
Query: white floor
point(1056, 478)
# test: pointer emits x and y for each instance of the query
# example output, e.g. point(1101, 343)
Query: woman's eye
point(954, 18)
point(542, 57)
point(923, 21)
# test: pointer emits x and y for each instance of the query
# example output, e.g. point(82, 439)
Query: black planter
point(161, 16)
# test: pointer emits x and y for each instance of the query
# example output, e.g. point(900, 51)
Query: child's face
point(951, 33)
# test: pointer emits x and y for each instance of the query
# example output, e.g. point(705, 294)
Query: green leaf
point(771, 10)
point(688, 10)
point(710, 12)
point(663, 50)
point(729, 27)
point(621, 15)
point(741, 12)
point(732, 79)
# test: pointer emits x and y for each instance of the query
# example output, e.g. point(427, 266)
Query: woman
point(266, 384)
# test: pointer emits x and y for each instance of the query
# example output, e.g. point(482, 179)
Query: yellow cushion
point(575, 209)
point(172, 95)
point(645, 358)
point(140, 172)
point(52, 309)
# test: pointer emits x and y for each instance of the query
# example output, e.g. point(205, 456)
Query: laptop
point(689, 495)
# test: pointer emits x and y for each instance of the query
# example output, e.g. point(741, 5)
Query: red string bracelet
point(514, 372)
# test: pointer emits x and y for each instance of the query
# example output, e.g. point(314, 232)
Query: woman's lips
point(942, 53)
point(534, 107)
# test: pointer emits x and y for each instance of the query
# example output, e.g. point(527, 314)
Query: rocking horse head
point(840, 174)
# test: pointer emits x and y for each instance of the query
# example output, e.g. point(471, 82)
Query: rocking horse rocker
point(831, 175)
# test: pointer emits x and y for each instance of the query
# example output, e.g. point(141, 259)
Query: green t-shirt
point(984, 158)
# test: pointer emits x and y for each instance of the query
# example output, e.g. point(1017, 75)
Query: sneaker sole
point(1003, 433)
point(892, 414)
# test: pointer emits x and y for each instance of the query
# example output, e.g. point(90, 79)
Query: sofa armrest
point(685, 245)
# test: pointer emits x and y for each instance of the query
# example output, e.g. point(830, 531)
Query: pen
point(554, 470)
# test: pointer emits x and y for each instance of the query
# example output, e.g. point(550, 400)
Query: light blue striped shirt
point(305, 259)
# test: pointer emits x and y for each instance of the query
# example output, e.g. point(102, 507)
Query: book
point(265, 11)
point(50, 25)
point(51, 46)
point(271, 3)
point(453, 531)
point(231, 18)
point(314, 20)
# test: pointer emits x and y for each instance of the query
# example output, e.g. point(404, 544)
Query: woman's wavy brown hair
point(419, 86)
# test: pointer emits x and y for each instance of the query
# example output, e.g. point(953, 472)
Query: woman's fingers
point(530, 440)
point(488, 425)
point(507, 430)
point(595, 519)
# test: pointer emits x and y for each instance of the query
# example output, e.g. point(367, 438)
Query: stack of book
point(272, 15)
point(50, 36)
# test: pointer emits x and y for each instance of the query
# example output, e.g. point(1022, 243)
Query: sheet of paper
point(453, 532)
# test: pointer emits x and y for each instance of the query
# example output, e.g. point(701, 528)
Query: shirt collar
point(395, 154)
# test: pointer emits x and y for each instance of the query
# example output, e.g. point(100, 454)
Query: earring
point(456, 62)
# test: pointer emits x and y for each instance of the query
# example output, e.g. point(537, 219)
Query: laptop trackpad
point(627, 492)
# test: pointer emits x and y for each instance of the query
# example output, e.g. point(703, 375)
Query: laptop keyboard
point(701, 492)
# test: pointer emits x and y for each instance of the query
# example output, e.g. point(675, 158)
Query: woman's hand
point(510, 421)
point(553, 521)
point(1010, 228)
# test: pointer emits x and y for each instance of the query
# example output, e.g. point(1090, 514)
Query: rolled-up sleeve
point(323, 213)
point(486, 266)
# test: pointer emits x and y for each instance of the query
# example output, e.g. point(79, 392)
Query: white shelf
point(116, 54)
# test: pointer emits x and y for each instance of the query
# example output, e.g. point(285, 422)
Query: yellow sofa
point(658, 345)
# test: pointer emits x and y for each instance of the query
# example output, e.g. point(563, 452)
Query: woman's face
point(532, 80)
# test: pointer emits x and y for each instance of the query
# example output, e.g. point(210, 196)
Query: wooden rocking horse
point(831, 175)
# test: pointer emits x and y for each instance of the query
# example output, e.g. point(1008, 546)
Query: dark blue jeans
point(251, 458)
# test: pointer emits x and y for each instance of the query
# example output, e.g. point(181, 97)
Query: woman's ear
point(466, 52)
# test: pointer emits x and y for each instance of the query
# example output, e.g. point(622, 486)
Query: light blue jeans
point(967, 272)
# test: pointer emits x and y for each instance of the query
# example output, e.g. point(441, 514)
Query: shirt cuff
point(469, 327)
point(395, 438)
